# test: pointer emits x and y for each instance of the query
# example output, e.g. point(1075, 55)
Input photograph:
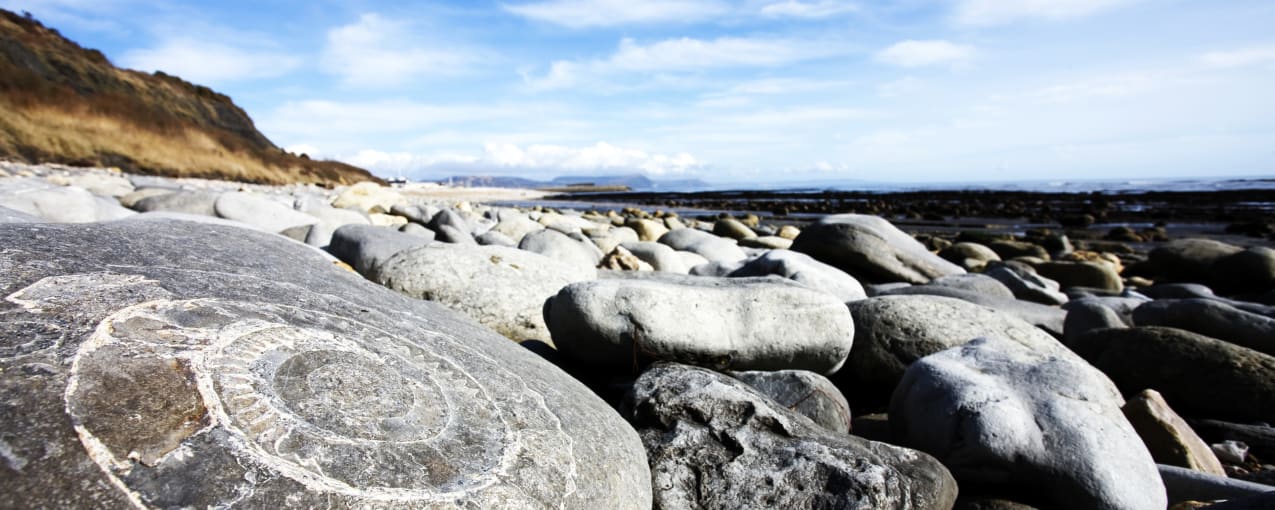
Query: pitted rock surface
point(714, 442)
point(138, 370)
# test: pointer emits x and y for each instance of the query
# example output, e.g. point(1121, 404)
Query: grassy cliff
point(61, 103)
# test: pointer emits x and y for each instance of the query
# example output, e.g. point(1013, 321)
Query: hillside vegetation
point(61, 103)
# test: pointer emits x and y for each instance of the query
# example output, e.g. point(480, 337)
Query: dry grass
point(60, 103)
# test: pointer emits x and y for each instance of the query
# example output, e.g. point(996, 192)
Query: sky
point(746, 91)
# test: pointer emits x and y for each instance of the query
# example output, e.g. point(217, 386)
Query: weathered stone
point(1167, 436)
point(1251, 270)
point(788, 232)
point(803, 269)
point(190, 202)
point(556, 245)
point(415, 229)
point(647, 230)
point(892, 332)
point(330, 219)
point(1082, 274)
point(1085, 315)
point(621, 259)
point(130, 200)
point(1200, 377)
point(366, 248)
point(502, 288)
point(111, 185)
point(707, 245)
point(1010, 249)
point(1187, 260)
point(809, 394)
point(871, 249)
point(661, 257)
point(732, 228)
point(8, 215)
point(999, 413)
point(1026, 284)
point(726, 323)
point(264, 213)
point(974, 282)
point(1048, 318)
point(413, 213)
point(494, 238)
point(452, 235)
point(63, 205)
point(1211, 318)
point(971, 256)
point(368, 197)
point(159, 366)
point(1184, 484)
point(766, 242)
point(715, 443)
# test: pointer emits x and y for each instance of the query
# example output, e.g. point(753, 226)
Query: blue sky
point(727, 91)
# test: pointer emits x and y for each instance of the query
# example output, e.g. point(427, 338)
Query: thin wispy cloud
point(211, 63)
point(1239, 57)
point(378, 52)
point(685, 54)
point(913, 54)
point(808, 9)
point(999, 12)
point(609, 13)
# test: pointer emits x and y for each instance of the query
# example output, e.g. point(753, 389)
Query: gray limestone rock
point(1184, 484)
point(1085, 315)
point(451, 218)
point(262, 212)
point(1210, 318)
point(203, 203)
point(330, 219)
point(8, 215)
point(716, 443)
point(1048, 318)
point(892, 332)
point(733, 228)
point(494, 238)
point(1026, 284)
point(974, 282)
point(659, 256)
point(971, 256)
point(63, 204)
point(809, 394)
point(366, 247)
point(502, 288)
point(515, 226)
point(452, 235)
point(726, 323)
point(560, 247)
point(1200, 377)
point(998, 413)
point(1094, 275)
point(871, 249)
point(711, 247)
point(803, 269)
point(156, 364)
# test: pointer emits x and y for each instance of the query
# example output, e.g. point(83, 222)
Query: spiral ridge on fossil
point(333, 404)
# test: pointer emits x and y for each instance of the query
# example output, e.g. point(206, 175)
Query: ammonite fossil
point(168, 386)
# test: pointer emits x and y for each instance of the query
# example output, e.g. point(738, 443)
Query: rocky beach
point(183, 342)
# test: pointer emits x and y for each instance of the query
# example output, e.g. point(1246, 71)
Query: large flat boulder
point(180, 365)
point(725, 323)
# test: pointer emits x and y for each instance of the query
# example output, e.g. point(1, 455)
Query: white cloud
point(609, 13)
point(685, 54)
point(210, 63)
point(815, 9)
point(1239, 58)
point(379, 52)
point(542, 161)
point(998, 12)
point(925, 53)
point(1100, 87)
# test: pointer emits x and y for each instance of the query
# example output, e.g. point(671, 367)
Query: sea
point(1202, 184)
